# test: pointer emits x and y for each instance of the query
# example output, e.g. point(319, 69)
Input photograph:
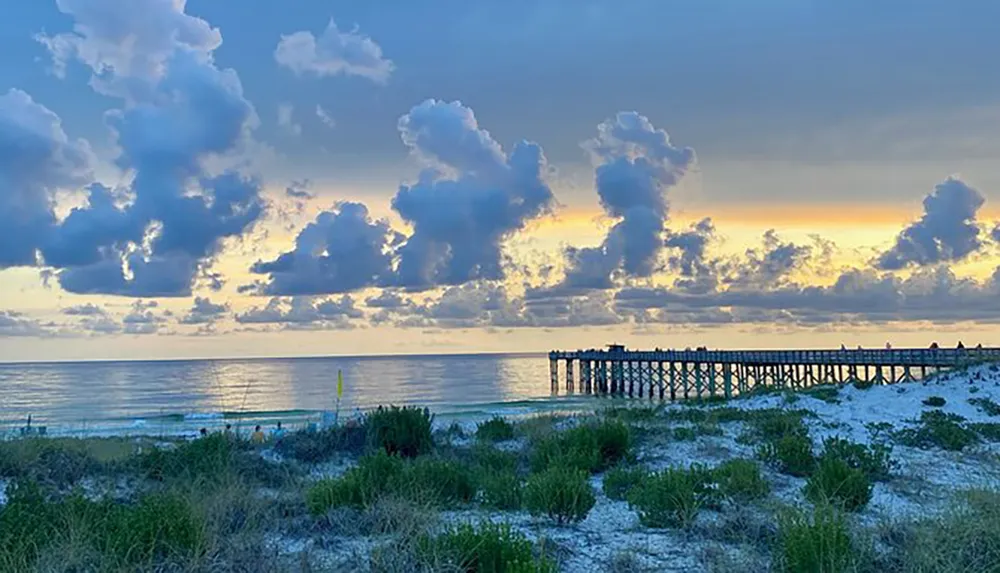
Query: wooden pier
point(683, 374)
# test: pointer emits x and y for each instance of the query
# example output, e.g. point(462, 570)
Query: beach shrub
point(206, 458)
point(875, 461)
point(934, 401)
point(837, 483)
point(862, 384)
point(963, 539)
point(938, 429)
point(672, 497)
point(562, 493)
point(791, 454)
point(438, 481)
point(486, 548)
point(501, 490)
point(489, 459)
point(817, 542)
point(160, 528)
point(828, 393)
point(689, 433)
point(740, 480)
point(989, 431)
point(620, 480)
point(320, 445)
point(52, 462)
point(496, 429)
point(359, 486)
point(985, 405)
point(404, 431)
point(590, 447)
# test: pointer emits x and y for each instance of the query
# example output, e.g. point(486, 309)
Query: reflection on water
point(100, 396)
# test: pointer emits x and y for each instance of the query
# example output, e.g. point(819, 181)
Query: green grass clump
point(496, 429)
point(875, 461)
point(488, 548)
point(814, 543)
point(360, 486)
point(501, 490)
point(590, 447)
point(835, 482)
point(489, 459)
point(426, 480)
point(317, 446)
point(963, 539)
point(985, 405)
point(827, 392)
point(631, 414)
point(58, 462)
point(934, 401)
point(791, 454)
point(404, 431)
point(562, 493)
point(620, 480)
point(160, 530)
point(207, 458)
point(740, 480)
point(938, 429)
point(672, 497)
point(690, 433)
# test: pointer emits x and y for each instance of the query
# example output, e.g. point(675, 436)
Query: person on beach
point(278, 432)
point(258, 435)
point(203, 432)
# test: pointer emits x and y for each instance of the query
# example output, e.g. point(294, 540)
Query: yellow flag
point(340, 383)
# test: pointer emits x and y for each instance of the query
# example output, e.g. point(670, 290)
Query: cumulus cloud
point(947, 231)
point(286, 119)
point(13, 323)
point(299, 190)
point(204, 311)
point(342, 250)
point(128, 44)
point(996, 233)
point(88, 309)
point(636, 165)
point(470, 198)
point(334, 52)
point(689, 257)
point(304, 312)
point(157, 235)
point(325, 117)
point(37, 159)
point(769, 267)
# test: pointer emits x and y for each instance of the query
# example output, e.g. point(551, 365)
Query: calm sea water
point(181, 396)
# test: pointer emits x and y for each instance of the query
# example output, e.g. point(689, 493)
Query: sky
point(213, 178)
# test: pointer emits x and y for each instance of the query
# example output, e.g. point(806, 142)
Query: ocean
point(176, 397)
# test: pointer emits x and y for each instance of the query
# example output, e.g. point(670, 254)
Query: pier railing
point(680, 374)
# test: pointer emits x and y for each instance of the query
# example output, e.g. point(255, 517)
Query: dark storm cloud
point(947, 231)
point(471, 196)
point(636, 166)
point(156, 236)
point(342, 250)
point(36, 160)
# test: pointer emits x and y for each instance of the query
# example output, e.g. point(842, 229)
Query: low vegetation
point(934, 401)
point(405, 431)
point(487, 548)
point(672, 497)
point(816, 542)
point(836, 483)
point(562, 493)
point(496, 429)
point(590, 447)
point(620, 480)
point(938, 429)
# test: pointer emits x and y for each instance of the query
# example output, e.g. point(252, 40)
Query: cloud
point(15, 324)
point(325, 117)
point(690, 260)
point(947, 231)
point(769, 267)
point(468, 200)
point(157, 235)
point(299, 190)
point(128, 44)
point(304, 312)
point(996, 233)
point(84, 310)
point(636, 166)
point(341, 251)
point(286, 120)
point(36, 160)
point(387, 299)
point(333, 53)
point(204, 311)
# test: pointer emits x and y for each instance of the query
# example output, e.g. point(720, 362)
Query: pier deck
point(680, 374)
